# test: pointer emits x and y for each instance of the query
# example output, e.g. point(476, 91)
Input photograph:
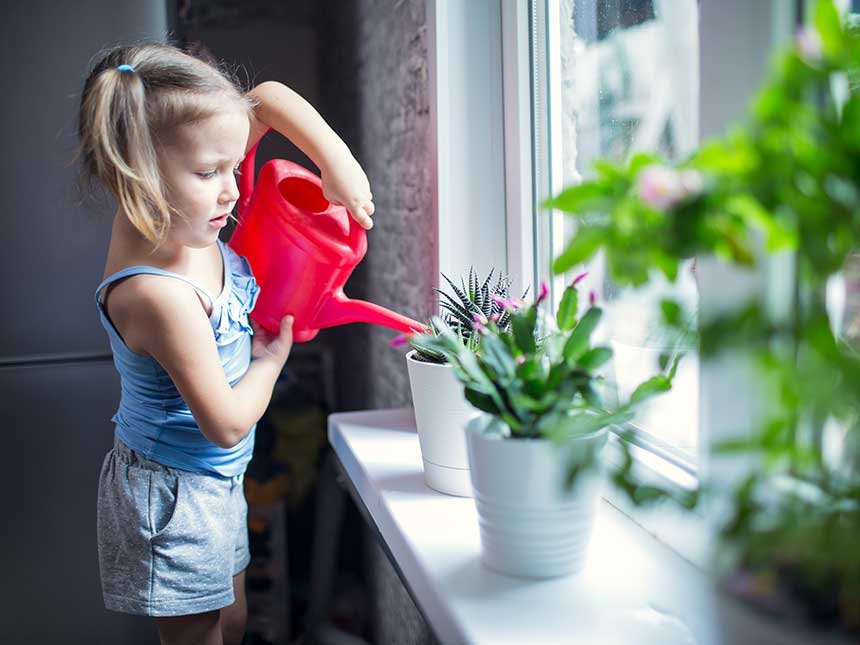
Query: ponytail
point(133, 95)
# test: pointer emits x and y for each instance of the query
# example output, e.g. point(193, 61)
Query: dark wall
point(58, 387)
point(374, 91)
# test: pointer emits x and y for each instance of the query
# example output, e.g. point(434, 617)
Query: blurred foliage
point(786, 180)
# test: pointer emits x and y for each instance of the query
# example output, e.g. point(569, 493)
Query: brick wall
point(373, 56)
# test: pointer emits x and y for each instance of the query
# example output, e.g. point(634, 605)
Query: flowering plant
point(542, 379)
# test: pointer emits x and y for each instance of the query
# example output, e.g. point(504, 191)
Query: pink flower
point(592, 297)
point(663, 188)
point(544, 292)
point(478, 327)
point(659, 187)
point(508, 304)
point(520, 360)
point(495, 317)
point(809, 45)
point(478, 318)
point(578, 278)
point(399, 340)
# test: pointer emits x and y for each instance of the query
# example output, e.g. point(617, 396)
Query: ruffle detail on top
point(233, 314)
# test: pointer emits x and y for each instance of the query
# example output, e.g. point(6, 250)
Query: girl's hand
point(264, 344)
point(344, 183)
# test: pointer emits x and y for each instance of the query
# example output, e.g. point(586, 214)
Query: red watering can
point(301, 249)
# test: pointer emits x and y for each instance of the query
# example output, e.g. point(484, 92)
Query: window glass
point(627, 81)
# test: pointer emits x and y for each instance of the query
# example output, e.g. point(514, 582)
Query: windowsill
point(634, 589)
point(686, 533)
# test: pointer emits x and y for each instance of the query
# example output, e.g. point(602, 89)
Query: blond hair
point(124, 114)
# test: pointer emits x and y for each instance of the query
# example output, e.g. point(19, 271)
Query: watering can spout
point(339, 310)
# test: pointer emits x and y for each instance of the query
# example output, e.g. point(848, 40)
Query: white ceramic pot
point(441, 413)
point(531, 524)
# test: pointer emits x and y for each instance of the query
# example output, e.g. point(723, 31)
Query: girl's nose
point(231, 190)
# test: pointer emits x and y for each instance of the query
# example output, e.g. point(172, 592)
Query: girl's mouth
point(220, 221)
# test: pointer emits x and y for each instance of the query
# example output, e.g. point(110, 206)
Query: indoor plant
point(534, 448)
point(441, 411)
point(789, 176)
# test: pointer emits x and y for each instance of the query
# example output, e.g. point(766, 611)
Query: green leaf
point(579, 339)
point(829, 26)
point(461, 294)
point(531, 368)
point(652, 387)
point(428, 347)
point(851, 122)
point(594, 358)
point(724, 157)
point(608, 170)
point(642, 160)
point(673, 370)
point(559, 426)
point(524, 333)
point(495, 355)
point(645, 494)
point(582, 198)
point(779, 235)
point(521, 401)
point(566, 315)
point(481, 401)
point(667, 264)
point(671, 312)
point(582, 246)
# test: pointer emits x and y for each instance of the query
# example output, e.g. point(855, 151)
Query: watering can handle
point(246, 177)
point(246, 190)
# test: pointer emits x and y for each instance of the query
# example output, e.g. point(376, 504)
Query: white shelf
point(634, 590)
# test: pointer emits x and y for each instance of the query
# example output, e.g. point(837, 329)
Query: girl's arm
point(179, 336)
point(343, 180)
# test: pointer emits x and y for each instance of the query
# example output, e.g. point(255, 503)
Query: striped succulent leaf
point(461, 303)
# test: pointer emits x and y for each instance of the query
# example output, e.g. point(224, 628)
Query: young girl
point(164, 132)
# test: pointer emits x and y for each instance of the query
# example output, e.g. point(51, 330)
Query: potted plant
point(441, 411)
point(786, 180)
point(534, 447)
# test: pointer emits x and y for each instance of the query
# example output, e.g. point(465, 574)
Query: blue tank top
point(152, 418)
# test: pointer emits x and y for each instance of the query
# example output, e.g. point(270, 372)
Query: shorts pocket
point(164, 494)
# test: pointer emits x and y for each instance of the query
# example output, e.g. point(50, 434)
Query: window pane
point(627, 81)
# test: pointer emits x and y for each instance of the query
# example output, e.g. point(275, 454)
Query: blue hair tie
point(125, 68)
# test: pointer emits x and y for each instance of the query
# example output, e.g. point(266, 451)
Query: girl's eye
point(207, 175)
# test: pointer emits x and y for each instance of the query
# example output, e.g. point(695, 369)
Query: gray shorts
point(170, 541)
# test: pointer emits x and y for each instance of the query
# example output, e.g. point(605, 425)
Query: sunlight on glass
point(840, 450)
point(628, 82)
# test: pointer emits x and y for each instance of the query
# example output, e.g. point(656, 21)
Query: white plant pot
point(441, 413)
point(531, 525)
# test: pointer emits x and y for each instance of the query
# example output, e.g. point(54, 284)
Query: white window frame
point(464, 48)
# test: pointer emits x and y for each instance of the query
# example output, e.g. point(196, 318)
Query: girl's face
point(198, 164)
